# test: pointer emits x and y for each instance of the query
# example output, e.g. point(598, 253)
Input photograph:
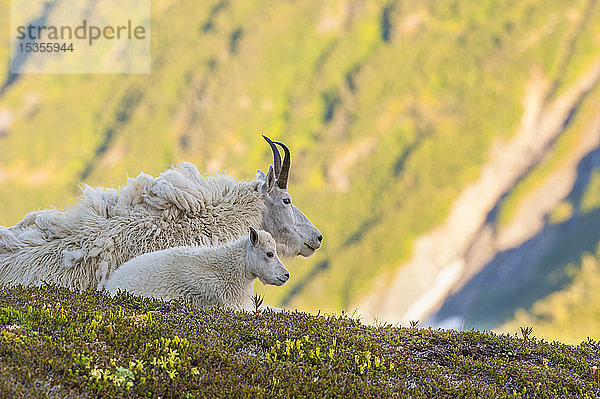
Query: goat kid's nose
point(320, 238)
point(287, 274)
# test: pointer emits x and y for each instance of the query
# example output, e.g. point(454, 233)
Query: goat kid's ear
point(269, 180)
point(253, 237)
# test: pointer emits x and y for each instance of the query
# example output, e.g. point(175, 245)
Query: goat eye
point(270, 254)
point(287, 200)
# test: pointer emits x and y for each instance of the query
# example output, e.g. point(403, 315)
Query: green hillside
point(390, 108)
point(56, 343)
point(564, 312)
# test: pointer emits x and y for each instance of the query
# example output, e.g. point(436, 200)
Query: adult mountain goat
point(80, 246)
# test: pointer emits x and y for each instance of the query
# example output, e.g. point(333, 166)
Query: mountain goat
point(221, 276)
point(80, 246)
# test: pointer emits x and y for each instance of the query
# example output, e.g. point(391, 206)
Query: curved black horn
point(282, 178)
point(276, 156)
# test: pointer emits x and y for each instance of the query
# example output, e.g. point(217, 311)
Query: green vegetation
point(557, 273)
point(56, 343)
point(403, 101)
point(570, 310)
point(563, 313)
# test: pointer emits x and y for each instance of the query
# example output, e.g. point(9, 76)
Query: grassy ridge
point(57, 343)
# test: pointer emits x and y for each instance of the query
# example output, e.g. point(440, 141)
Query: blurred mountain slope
point(391, 109)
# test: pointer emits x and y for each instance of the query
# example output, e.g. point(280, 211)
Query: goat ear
point(260, 175)
point(253, 237)
point(269, 180)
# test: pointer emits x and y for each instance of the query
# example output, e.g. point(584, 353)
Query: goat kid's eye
point(270, 254)
point(287, 201)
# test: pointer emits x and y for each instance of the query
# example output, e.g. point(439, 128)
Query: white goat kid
point(220, 276)
point(80, 246)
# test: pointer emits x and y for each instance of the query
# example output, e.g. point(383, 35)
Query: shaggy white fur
point(80, 246)
point(221, 276)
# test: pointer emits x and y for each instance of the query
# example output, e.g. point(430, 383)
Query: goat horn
point(282, 177)
point(276, 156)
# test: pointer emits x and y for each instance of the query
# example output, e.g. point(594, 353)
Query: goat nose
point(287, 274)
point(320, 237)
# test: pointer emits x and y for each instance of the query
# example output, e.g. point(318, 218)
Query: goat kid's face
point(293, 232)
point(263, 260)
